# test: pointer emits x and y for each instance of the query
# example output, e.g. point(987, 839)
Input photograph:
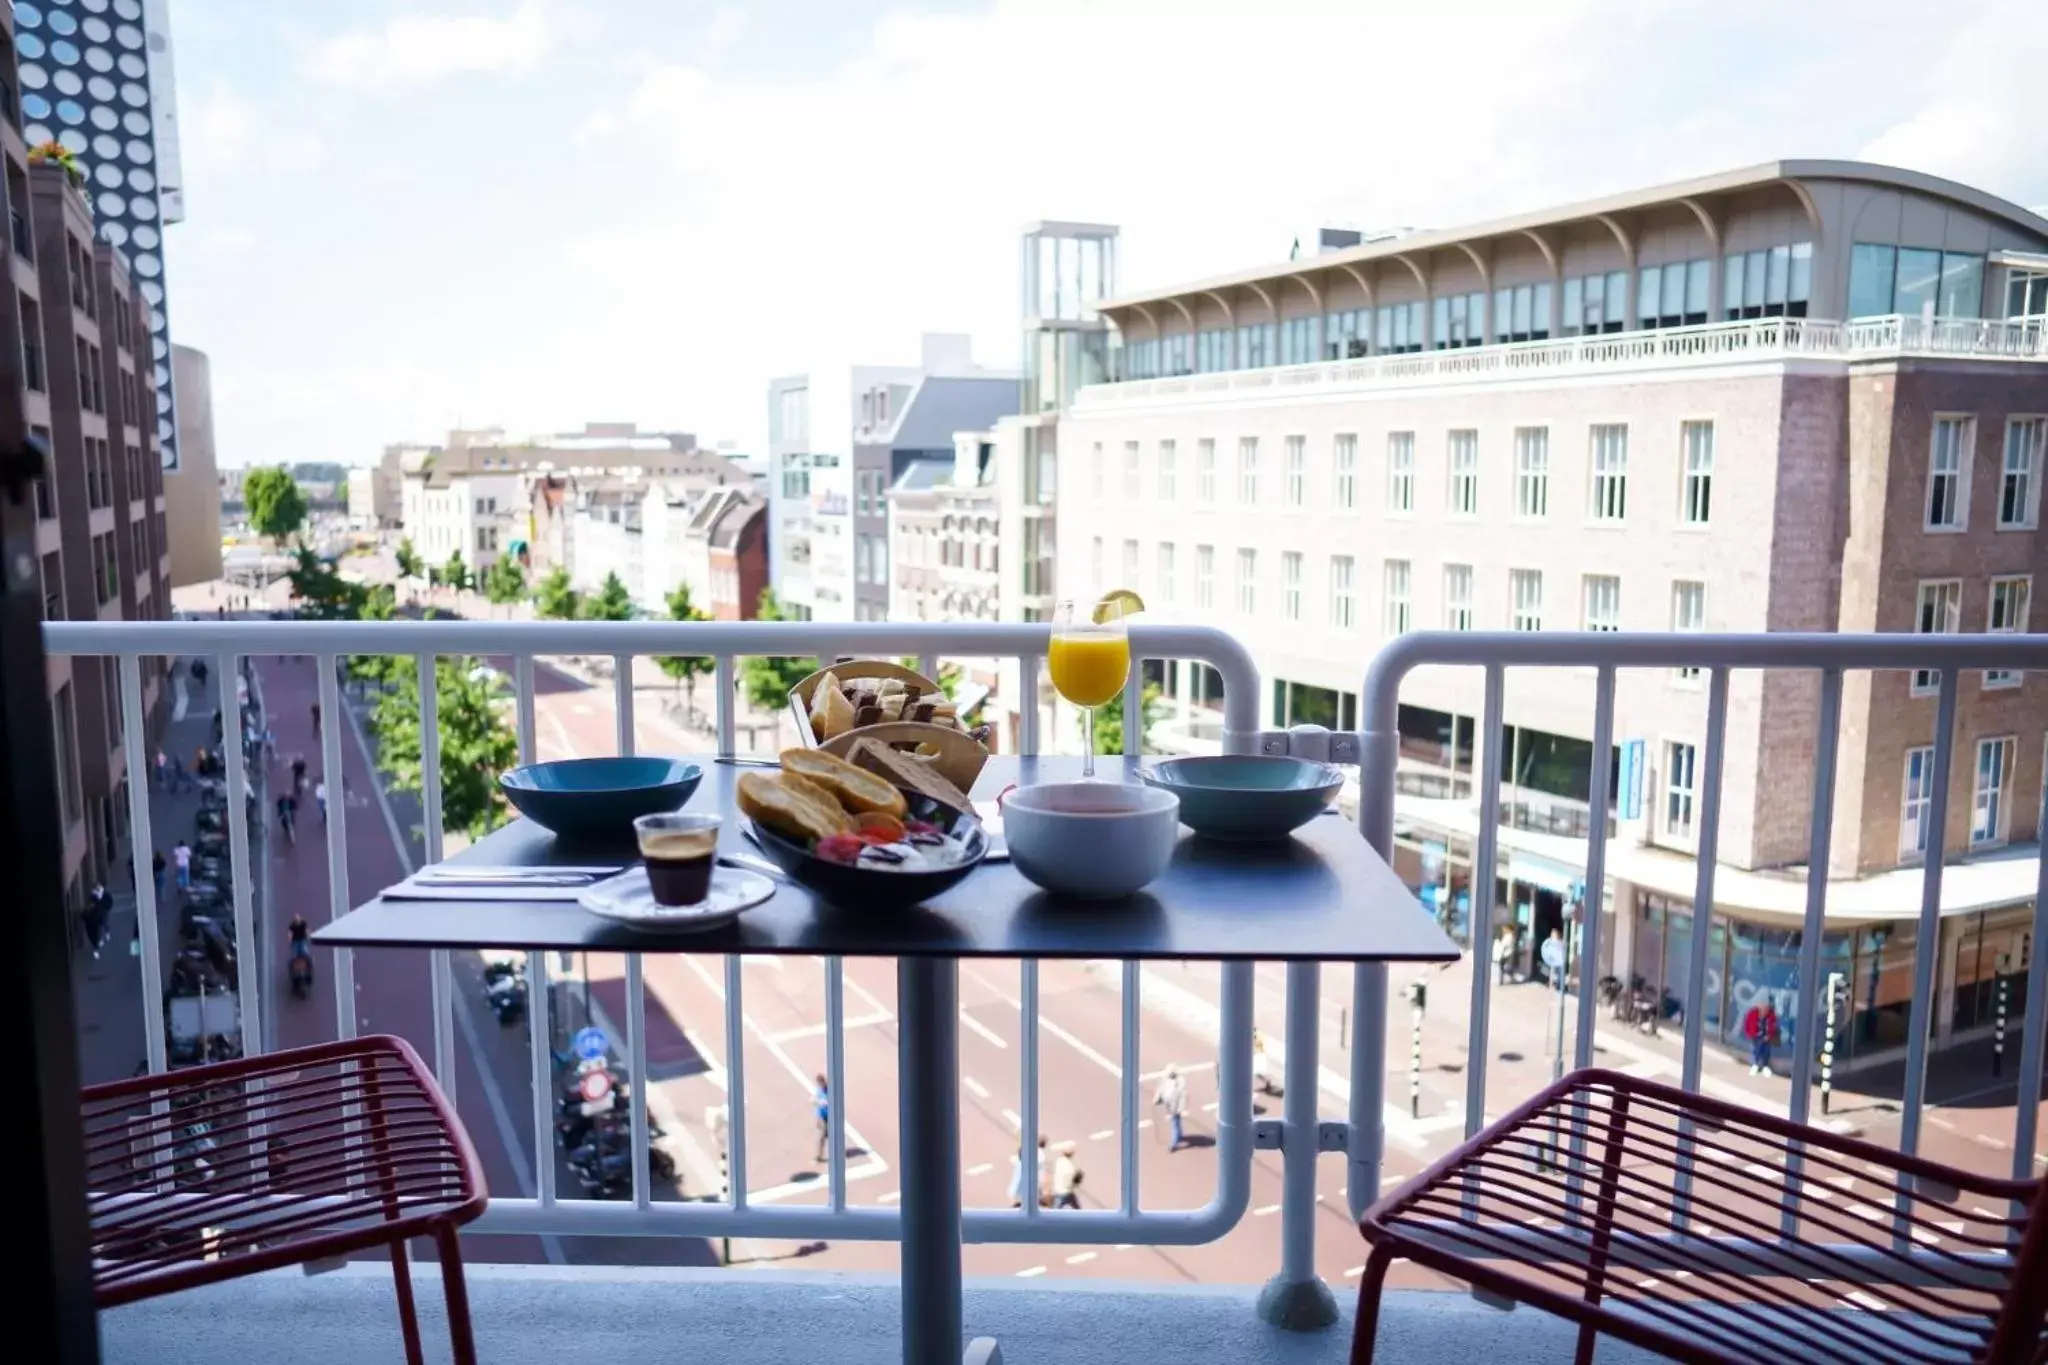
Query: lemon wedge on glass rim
point(1116, 604)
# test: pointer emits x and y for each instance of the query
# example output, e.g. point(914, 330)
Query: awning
point(1553, 877)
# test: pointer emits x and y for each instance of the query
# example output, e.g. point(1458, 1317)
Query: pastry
point(854, 788)
point(772, 800)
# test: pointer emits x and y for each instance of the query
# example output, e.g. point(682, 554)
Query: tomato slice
point(839, 848)
point(875, 827)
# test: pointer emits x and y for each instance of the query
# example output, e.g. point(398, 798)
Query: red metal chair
point(215, 1172)
point(1570, 1202)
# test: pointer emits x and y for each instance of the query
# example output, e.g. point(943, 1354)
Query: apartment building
point(467, 502)
point(944, 542)
point(192, 489)
point(79, 385)
point(1799, 396)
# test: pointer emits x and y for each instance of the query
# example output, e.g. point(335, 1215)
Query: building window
point(1400, 472)
point(1344, 459)
point(1939, 611)
point(53, 586)
point(1297, 470)
point(1167, 455)
point(1166, 575)
point(67, 753)
point(1676, 295)
point(1343, 607)
point(1300, 340)
point(1917, 795)
point(1988, 815)
point(1457, 597)
point(1394, 619)
point(1346, 335)
point(1205, 576)
point(2010, 599)
point(1697, 503)
point(1525, 591)
point(1522, 312)
point(1290, 585)
point(1130, 564)
point(1596, 303)
point(1603, 602)
point(1914, 281)
point(1205, 471)
point(1460, 320)
point(1948, 473)
point(1248, 470)
point(2019, 483)
point(1679, 789)
point(1096, 476)
point(1247, 582)
point(1099, 564)
point(1610, 473)
point(1464, 471)
point(1772, 282)
point(1532, 472)
point(1131, 470)
point(1688, 613)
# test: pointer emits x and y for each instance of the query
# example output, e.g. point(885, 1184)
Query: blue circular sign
point(589, 1044)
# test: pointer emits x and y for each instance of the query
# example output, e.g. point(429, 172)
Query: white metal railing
point(1666, 348)
point(1299, 1135)
point(1828, 656)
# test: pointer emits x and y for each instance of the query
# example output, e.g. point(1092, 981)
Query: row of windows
point(1990, 794)
point(1938, 610)
point(1769, 282)
point(1607, 488)
point(1952, 454)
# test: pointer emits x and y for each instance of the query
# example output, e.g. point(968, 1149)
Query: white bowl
point(1096, 840)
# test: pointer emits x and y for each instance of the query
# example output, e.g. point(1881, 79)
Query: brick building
point(1805, 396)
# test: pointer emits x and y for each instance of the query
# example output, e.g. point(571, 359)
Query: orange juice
point(1089, 668)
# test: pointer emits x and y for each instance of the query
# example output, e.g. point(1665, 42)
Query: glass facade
point(1915, 281)
point(1768, 283)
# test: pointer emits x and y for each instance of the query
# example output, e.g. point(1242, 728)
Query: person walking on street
point(156, 872)
point(316, 720)
point(181, 856)
point(1036, 1184)
point(163, 770)
point(821, 1106)
point(298, 772)
point(285, 803)
point(1760, 1026)
point(1262, 1077)
point(1503, 954)
point(320, 795)
point(98, 907)
point(1172, 1096)
point(1066, 1178)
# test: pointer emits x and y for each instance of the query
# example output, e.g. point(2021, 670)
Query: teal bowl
point(1247, 796)
point(599, 798)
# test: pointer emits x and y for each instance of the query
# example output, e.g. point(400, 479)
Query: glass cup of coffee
point(679, 850)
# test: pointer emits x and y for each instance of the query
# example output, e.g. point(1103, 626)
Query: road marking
point(983, 1169)
point(1081, 1257)
point(1144, 1123)
point(1211, 1107)
point(1983, 1212)
point(1265, 1210)
point(1015, 1121)
point(1048, 1025)
point(1856, 1298)
point(1648, 1282)
point(1996, 1144)
point(890, 1198)
point(1940, 1122)
point(1027, 1274)
point(980, 1090)
point(976, 1026)
point(1843, 1182)
point(1122, 1246)
point(1354, 1272)
point(1953, 1229)
point(1101, 1133)
point(791, 1035)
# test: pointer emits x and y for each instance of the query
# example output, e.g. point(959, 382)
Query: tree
point(686, 669)
point(611, 601)
point(477, 741)
point(554, 599)
point(410, 565)
point(379, 670)
point(276, 506)
point(768, 678)
point(455, 573)
point(1109, 722)
point(504, 582)
point(321, 593)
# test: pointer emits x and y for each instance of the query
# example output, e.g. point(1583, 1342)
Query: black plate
point(861, 888)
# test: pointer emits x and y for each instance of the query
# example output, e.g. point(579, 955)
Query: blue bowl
point(1247, 796)
point(599, 798)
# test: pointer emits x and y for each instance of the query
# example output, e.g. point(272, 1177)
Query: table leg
point(928, 1089)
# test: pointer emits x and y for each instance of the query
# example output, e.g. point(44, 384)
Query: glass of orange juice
point(1089, 660)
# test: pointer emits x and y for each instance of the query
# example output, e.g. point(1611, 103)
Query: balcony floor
point(543, 1315)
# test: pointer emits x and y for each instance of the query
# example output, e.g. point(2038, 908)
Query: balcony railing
point(1301, 1135)
point(1667, 348)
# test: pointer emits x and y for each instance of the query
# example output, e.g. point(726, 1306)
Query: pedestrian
point(1172, 1096)
point(320, 795)
point(1262, 1078)
point(156, 872)
point(1760, 1026)
point(1037, 1182)
point(163, 770)
point(1066, 1178)
point(98, 907)
point(821, 1105)
point(199, 671)
point(179, 780)
point(298, 772)
point(269, 746)
point(1503, 953)
point(181, 857)
point(285, 803)
point(316, 720)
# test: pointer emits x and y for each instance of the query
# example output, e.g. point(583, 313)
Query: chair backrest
point(2022, 1332)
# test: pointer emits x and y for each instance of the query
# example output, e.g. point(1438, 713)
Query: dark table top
point(1322, 895)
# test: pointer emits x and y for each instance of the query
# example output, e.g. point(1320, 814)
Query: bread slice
point(781, 805)
point(855, 789)
point(901, 770)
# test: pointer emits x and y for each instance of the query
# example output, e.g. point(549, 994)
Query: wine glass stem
point(1087, 742)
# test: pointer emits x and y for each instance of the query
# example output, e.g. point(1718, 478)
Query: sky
point(404, 217)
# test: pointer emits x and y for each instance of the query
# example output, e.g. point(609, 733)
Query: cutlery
point(748, 863)
point(749, 762)
point(513, 876)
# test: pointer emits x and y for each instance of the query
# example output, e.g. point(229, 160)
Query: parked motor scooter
point(301, 975)
point(507, 998)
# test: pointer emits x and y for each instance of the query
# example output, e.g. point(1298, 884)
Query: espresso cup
point(679, 850)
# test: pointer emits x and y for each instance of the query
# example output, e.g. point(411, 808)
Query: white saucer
point(628, 899)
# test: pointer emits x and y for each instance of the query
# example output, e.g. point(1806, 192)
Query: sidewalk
point(107, 991)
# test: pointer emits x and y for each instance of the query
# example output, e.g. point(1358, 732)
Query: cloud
point(728, 25)
point(1980, 120)
point(416, 48)
point(225, 133)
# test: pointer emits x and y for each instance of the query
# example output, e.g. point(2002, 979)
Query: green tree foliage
point(554, 599)
point(477, 738)
point(686, 669)
point(277, 507)
point(410, 565)
point(504, 582)
point(611, 601)
point(378, 670)
point(1109, 722)
point(319, 592)
point(767, 680)
point(455, 573)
